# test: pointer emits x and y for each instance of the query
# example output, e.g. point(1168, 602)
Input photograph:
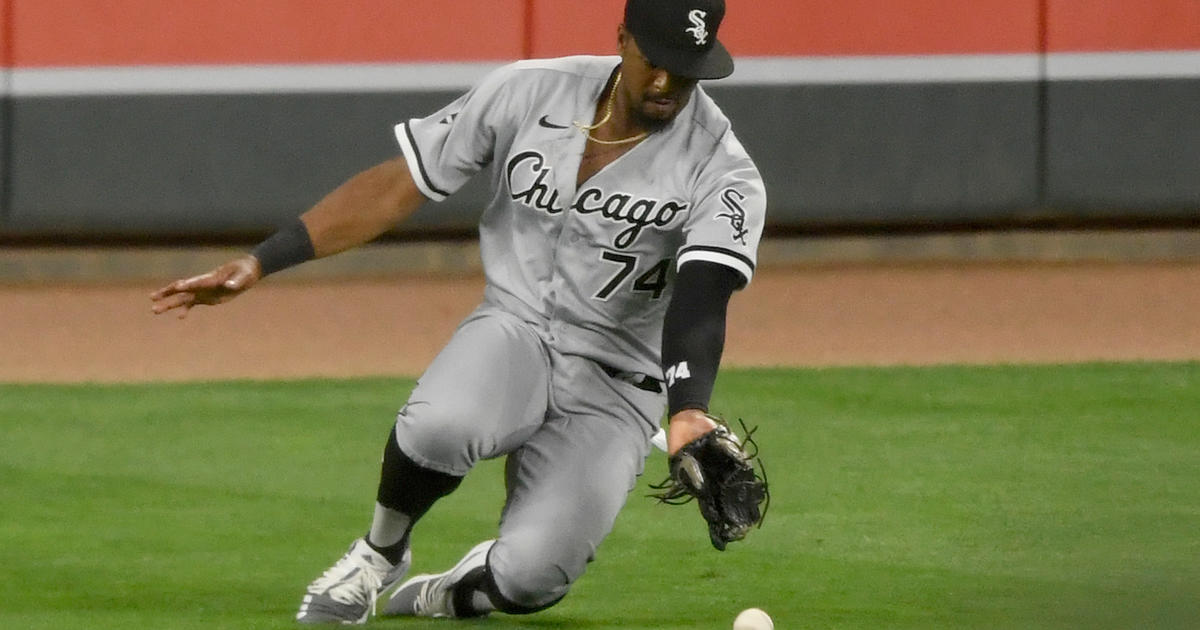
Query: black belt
point(641, 381)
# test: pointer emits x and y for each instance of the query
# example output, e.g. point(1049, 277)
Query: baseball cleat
point(346, 593)
point(432, 595)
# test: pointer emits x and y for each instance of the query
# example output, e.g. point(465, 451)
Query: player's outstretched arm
point(364, 207)
point(693, 339)
point(707, 461)
point(356, 212)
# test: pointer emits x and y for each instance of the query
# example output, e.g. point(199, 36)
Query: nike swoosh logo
point(543, 121)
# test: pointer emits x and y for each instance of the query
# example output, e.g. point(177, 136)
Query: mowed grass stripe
point(942, 497)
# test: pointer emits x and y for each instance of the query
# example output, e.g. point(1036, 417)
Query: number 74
point(653, 280)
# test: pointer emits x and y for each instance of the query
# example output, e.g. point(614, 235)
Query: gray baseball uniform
point(552, 368)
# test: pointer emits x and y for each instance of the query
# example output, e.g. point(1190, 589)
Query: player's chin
point(657, 113)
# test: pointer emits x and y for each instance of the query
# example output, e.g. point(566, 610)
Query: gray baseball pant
point(576, 440)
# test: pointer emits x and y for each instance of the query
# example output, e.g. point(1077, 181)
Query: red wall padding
point(136, 32)
point(1115, 25)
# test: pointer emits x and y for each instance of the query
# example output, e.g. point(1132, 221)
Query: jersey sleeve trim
point(417, 167)
point(739, 262)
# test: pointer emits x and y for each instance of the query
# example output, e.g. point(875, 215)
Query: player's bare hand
point(686, 426)
point(215, 287)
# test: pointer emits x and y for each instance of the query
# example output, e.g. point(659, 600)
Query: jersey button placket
point(567, 234)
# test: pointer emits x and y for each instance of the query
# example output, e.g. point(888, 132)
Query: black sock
point(406, 487)
point(393, 553)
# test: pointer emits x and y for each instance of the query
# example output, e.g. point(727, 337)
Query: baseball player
point(625, 213)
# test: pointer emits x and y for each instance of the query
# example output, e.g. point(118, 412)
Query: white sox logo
point(530, 182)
point(699, 29)
point(736, 215)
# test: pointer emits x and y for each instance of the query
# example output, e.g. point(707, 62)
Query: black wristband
point(288, 247)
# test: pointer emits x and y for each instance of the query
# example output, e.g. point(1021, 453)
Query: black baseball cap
point(680, 36)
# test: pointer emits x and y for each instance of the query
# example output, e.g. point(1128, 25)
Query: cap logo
point(699, 29)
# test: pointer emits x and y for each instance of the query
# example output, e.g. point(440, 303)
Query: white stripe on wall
point(1181, 64)
point(335, 78)
point(890, 69)
point(246, 79)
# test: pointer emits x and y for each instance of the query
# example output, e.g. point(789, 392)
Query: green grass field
point(949, 497)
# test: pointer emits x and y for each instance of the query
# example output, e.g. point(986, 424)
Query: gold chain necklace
point(608, 110)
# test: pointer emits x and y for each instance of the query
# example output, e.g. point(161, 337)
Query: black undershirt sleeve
point(694, 332)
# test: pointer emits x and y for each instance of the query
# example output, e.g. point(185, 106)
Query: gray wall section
point(5, 147)
point(843, 154)
point(187, 165)
point(832, 155)
point(1123, 148)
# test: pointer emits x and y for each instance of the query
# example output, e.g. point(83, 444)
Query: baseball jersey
point(591, 265)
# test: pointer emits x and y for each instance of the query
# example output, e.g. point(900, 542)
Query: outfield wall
point(182, 118)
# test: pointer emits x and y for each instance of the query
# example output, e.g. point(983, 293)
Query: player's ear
point(622, 39)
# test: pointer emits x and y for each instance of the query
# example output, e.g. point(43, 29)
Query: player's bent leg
point(529, 580)
point(469, 405)
point(481, 397)
point(406, 492)
point(567, 485)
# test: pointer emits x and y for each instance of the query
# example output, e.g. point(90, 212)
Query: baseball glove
point(717, 471)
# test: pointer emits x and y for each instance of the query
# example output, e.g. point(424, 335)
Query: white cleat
point(432, 595)
point(346, 593)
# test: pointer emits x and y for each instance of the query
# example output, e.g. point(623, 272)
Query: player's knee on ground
point(526, 576)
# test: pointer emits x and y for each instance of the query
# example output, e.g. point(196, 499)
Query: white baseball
point(753, 619)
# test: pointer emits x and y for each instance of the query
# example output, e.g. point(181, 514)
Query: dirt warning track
point(798, 316)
